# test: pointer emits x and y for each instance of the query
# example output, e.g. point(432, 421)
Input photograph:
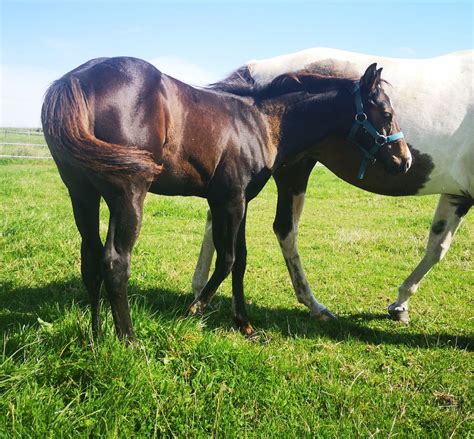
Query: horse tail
point(66, 120)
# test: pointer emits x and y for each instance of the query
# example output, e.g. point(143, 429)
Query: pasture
point(363, 375)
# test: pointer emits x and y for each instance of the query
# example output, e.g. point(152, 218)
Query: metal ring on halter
point(381, 140)
point(360, 117)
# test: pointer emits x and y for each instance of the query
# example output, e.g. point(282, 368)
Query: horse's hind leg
point(291, 182)
point(85, 205)
point(126, 208)
point(446, 220)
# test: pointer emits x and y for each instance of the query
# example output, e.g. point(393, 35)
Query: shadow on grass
point(23, 306)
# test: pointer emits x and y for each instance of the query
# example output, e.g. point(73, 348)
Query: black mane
point(241, 83)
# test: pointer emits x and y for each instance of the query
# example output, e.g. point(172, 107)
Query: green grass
point(363, 375)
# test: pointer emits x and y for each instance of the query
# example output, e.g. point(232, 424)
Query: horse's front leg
point(446, 220)
point(291, 183)
point(226, 221)
point(238, 271)
point(203, 266)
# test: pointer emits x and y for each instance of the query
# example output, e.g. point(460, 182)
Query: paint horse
point(118, 128)
point(435, 105)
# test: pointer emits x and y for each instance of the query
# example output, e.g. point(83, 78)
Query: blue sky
point(201, 41)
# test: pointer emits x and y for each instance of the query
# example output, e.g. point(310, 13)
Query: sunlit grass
point(362, 375)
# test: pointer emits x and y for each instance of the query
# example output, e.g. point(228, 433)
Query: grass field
point(363, 375)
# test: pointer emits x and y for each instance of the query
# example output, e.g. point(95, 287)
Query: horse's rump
point(66, 117)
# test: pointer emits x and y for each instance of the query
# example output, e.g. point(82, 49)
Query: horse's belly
point(169, 182)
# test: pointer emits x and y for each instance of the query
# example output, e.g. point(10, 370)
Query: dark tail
point(66, 123)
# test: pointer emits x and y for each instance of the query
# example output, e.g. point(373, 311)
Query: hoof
point(399, 315)
point(196, 308)
point(245, 328)
point(324, 316)
point(248, 332)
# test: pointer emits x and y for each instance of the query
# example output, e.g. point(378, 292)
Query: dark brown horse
point(118, 128)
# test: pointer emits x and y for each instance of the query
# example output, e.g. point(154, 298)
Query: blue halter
point(361, 121)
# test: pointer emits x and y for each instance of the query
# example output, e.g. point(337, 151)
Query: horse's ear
point(378, 77)
point(371, 78)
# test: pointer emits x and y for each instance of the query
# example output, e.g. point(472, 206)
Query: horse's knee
point(115, 267)
point(281, 229)
point(240, 263)
point(229, 264)
point(226, 265)
point(283, 223)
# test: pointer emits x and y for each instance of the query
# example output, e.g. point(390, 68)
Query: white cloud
point(184, 70)
point(21, 94)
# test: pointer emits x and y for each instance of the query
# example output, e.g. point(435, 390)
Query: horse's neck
point(293, 126)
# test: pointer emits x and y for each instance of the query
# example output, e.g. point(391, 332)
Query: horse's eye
point(387, 115)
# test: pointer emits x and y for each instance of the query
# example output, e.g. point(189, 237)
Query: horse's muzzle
point(398, 166)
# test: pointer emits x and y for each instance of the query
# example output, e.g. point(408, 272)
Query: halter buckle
point(360, 117)
point(381, 140)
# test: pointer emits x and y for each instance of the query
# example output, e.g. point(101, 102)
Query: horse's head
point(359, 109)
point(375, 130)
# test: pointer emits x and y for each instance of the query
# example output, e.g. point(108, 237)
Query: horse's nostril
point(400, 167)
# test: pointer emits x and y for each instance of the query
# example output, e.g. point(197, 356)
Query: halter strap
point(361, 121)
